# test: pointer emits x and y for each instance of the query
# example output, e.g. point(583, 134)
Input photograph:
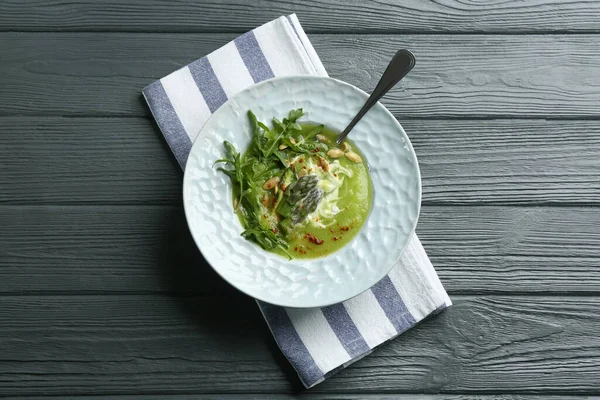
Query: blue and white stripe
point(318, 341)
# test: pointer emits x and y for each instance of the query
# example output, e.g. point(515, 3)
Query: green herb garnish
point(268, 196)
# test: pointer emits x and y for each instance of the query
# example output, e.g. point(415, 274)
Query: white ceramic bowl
point(304, 283)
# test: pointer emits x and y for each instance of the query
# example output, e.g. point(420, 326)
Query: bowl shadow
point(220, 310)
point(204, 296)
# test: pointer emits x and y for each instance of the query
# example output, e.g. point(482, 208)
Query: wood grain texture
point(103, 294)
point(507, 161)
point(548, 76)
point(148, 249)
point(83, 160)
point(315, 15)
point(52, 160)
point(162, 345)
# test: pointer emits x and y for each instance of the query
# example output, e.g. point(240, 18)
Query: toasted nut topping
point(322, 139)
point(353, 157)
point(324, 164)
point(283, 146)
point(335, 153)
point(271, 183)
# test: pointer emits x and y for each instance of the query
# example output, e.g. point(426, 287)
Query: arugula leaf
point(295, 114)
point(301, 146)
point(262, 161)
point(314, 132)
point(231, 151)
point(271, 138)
point(230, 173)
point(258, 130)
point(285, 208)
point(278, 125)
point(281, 156)
point(266, 239)
point(234, 161)
point(294, 126)
point(267, 133)
point(272, 145)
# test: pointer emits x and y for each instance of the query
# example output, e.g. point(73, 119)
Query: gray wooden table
point(103, 293)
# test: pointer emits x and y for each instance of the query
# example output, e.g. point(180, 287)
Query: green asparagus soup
point(295, 191)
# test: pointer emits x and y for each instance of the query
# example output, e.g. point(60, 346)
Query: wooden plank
point(315, 15)
point(498, 76)
point(163, 345)
point(52, 160)
point(148, 249)
point(507, 161)
point(83, 160)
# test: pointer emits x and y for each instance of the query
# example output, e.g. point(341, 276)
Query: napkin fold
point(318, 342)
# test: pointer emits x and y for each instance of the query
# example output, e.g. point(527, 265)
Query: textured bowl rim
point(328, 303)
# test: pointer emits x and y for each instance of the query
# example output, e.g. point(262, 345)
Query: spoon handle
point(397, 69)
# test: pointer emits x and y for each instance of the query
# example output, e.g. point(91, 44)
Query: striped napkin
point(317, 341)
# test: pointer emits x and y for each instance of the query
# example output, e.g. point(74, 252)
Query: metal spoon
point(397, 69)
